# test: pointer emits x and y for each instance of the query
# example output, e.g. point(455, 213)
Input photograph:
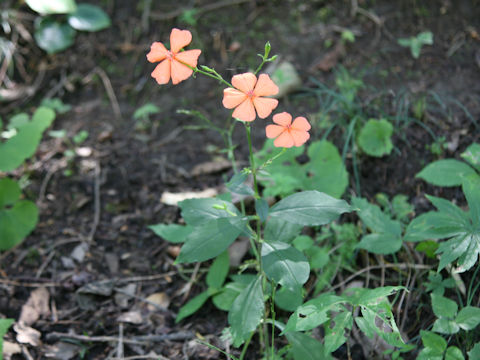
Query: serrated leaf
point(52, 6)
point(309, 208)
point(53, 36)
point(468, 318)
point(375, 137)
point(89, 17)
point(208, 241)
point(465, 248)
point(284, 264)
point(218, 271)
point(447, 172)
point(24, 144)
point(313, 313)
point(172, 232)
point(335, 337)
point(247, 311)
point(192, 306)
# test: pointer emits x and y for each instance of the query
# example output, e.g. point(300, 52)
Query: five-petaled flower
point(286, 133)
point(173, 62)
point(247, 97)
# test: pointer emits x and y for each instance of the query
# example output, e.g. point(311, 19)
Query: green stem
point(272, 310)
point(252, 161)
point(245, 346)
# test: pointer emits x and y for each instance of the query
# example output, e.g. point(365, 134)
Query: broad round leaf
point(89, 18)
point(52, 6)
point(285, 264)
point(448, 172)
point(16, 223)
point(309, 208)
point(375, 137)
point(53, 36)
point(9, 192)
point(380, 243)
point(468, 318)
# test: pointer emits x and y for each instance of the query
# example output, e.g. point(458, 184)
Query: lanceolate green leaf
point(309, 208)
point(380, 243)
point(471, 189)
point(23, 145)
point(172, 232)
point(218, 271)
point(192, 306)
point(285, 264)
point(208, 240)
point(448, 172)
point(280, 230)
point(247, 311)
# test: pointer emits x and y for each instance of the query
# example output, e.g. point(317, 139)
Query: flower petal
point(272, 131)
point(232, 98)
point(300, 123)
point(189, 57)
point(283, 119)
point(245, 111)
point(158, 52)
point(300, 137)
point(264, 106)
point(265, 86)
point(180, 72)
point(179, 39)
point(244, 82)
point(284, 140)
point(162, 72)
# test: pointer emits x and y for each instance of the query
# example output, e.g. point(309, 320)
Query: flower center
point(170, 55)
point(250, 94)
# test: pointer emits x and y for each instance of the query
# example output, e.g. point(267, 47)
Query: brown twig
point(144, 339)
point(108, 88)
point(96, 217)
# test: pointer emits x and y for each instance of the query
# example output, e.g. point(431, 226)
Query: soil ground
point(93, 225)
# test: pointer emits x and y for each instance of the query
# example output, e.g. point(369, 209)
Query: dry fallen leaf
point(132, 317)
point(26, 334)
point(169, 198)
point(10, 349)
point(62, 351)
point(35, 307)
point(158, 300)
point(211, 167)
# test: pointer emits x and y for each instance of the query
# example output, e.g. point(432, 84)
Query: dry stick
point(145, 339)
point(402, 297)
point(108, 87)
point(44, 265)
point(373, 267)
point(120, 341)
point(200, 10)
point(408, 302)
point(96, 217)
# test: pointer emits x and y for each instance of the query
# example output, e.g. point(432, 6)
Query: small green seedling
point(375, 137)
point(415, 43)
point(142, 116)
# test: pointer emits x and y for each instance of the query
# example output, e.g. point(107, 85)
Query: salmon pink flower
point(173, 62)
point(247, 97)
point(287, 134)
